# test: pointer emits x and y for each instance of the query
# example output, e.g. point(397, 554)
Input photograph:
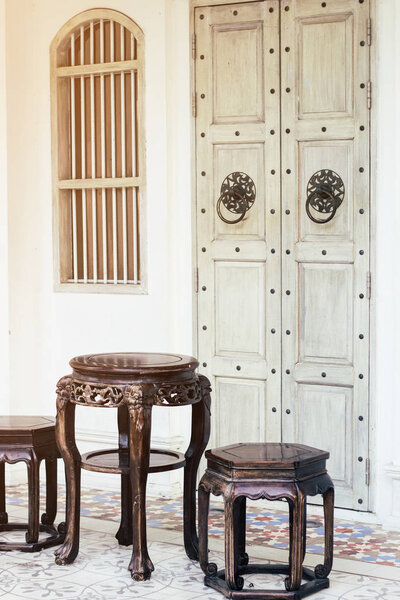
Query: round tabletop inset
point(131, 365)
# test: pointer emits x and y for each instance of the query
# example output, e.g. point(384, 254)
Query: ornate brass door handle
point(237, 195)
point(325, 193)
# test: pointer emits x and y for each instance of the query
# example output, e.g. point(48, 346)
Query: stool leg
point(304, 531)
point(33, 465)
point(296, 517)
point(232, 579)
point(124, 533)
point(208, 568)
point(140, 407)
point(322, 571)
point(3, 514)
point(65, 437)
point(240, 524)
point(198, 442)
point(51, 492)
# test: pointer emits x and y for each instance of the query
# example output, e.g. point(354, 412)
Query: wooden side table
point(133, 383)
point(272, 471)
point(31, 440)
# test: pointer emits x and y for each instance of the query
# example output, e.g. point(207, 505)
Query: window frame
point(59, 229)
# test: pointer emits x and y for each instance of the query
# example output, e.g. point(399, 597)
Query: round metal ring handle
point(242, 203)
point(237, 196)
point(325, 193)
point(317, 194)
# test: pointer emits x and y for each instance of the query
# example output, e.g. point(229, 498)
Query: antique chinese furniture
point(273, 471)
point(31, 440)
point(133, 383)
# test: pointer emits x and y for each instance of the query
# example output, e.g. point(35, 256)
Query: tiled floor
point(100, 571)
point(354, 541)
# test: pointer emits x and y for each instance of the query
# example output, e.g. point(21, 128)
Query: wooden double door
point(282, 99)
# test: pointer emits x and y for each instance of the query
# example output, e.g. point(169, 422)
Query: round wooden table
point(132, 383)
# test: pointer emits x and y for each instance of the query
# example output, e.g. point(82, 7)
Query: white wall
point(48, 328)
point(386, 102)
point(4, 369)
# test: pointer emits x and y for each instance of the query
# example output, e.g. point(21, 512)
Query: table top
point(16, 423)
point(267, 455)
point(132, 365)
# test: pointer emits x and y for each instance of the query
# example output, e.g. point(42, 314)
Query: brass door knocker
point(325, 193)
point(237, 195)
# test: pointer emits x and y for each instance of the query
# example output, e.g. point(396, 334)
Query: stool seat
point(273, 471)
point(247, 460)
point(31, 439)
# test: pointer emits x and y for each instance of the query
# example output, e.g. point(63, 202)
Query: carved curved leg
point(232, 579)
point(139, 442)
point(124, 533)
point(322, 571)
point(209, 569)
point(51, 492)
point(3, 514)
point(33, 465)
point(198, 443)
point(240, 524)
point(65, 437)
point(296, 513)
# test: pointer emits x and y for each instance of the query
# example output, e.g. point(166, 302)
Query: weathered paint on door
point(281, 93)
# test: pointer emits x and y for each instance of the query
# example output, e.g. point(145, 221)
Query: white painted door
point(239, 264)
point(287, 80)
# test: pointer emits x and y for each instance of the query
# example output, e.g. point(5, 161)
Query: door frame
point(372, 434)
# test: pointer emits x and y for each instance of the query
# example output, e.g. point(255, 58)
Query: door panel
point(239, 317)
point(332, 404)
point(247, 338)
point(325, 64)
point(320, 303)
point(247, 158)
point(233, 396)
point(283, 308)
point(325, 47)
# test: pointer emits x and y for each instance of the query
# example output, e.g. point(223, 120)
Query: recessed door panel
point(238, 93)
point(325, 66)
point(250, 160)
point(331, 430)
point(241, 410)
point(240, 309)
point(314, 156)
point(326, 313)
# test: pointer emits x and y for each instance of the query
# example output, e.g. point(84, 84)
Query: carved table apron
point(133, 383)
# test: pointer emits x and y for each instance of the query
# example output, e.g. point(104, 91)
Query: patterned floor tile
point(354, 541)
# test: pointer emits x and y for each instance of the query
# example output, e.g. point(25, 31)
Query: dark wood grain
point(271, 471)
point(31, 439)
point(133, 383)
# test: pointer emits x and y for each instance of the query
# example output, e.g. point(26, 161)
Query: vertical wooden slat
point(114, 194)
point(83, 158)
point(103, 156)
point(93, 152)
point(73, 166)
point(133, 142)
point(123, 164)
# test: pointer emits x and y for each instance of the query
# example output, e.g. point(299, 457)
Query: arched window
point(97, 65)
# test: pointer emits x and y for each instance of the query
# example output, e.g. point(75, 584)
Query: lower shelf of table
point(117, 461)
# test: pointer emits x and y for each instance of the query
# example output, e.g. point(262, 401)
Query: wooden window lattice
point(98, 76)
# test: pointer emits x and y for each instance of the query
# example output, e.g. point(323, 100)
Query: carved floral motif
point(95, 395)
point(180, 393)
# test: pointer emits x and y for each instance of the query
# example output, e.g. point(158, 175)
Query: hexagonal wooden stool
point(31, 440)
point(273, 471)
